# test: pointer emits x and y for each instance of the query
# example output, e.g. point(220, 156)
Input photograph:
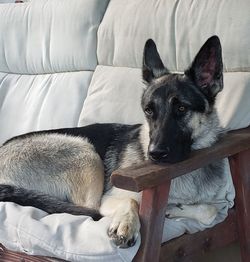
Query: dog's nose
point(158, 153)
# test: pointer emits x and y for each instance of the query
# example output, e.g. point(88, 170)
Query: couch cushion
point(122, 88)
point(113, 97)
point(49, 36)
point(72, 238)
point(233, 102)
point(30, 102)
point(178, 27)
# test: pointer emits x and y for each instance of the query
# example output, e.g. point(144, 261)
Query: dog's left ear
point(207, 68)
point(152, 64)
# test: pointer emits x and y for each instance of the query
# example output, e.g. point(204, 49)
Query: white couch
point(72, 63)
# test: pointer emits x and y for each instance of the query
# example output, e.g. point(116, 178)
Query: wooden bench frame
point(154, 182)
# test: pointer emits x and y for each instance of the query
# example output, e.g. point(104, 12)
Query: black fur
point(152, 64)
point(45, 202)
point(102, 136)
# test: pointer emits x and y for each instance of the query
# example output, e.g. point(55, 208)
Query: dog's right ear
point(152, 64)
point(207, 68)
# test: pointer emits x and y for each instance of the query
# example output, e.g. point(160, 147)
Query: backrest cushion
point(47, 58)
point(179, 29)
point(40, 37)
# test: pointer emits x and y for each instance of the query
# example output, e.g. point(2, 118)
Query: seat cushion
point(72, 238)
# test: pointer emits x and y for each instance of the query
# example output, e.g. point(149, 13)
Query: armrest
point(148, 175)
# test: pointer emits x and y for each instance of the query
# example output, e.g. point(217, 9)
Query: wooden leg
point(240, 169)
point(152, 216)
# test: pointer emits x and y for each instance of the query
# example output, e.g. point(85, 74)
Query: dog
point(68, 170)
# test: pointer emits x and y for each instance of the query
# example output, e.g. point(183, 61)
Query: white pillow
point(113, 97)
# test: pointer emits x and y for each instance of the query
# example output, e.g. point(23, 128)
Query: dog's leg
point(204, 213)
point(123, 207)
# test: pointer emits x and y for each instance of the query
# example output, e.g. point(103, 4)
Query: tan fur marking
point(144, 139)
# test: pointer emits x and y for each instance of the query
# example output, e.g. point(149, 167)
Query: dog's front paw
point(124, 229)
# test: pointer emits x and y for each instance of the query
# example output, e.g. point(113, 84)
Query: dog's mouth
point(155, 160)
point(167, 159)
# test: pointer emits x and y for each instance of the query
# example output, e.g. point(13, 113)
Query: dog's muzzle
point(157, 154)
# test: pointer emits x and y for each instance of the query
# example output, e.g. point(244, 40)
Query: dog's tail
point(44, 202)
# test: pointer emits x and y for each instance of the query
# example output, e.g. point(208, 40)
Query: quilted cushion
point(35, 102)
point(178, 27)
point(49, 36)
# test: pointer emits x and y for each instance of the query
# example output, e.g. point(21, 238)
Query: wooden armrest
point(148, 175)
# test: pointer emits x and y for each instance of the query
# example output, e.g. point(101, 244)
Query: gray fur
point(56, 165)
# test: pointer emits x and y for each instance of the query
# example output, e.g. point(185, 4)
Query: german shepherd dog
point(68, 170)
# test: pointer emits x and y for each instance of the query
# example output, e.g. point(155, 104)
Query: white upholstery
point(122, 88)
point(233, 102)
point(41, 37)
point(178, 27)
point(73, 238)
point(12, 1)
point(35, 102)
point(49, 50)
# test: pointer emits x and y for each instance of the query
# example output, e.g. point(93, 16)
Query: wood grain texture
point(152, 216)
point(11, 256)
point(148, 175)
point(187, 246)
point(240, 169)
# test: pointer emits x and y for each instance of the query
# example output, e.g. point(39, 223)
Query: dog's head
point(178, 106)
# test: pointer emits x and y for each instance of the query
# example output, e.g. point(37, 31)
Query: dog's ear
point(207, 68)
point(152, 64)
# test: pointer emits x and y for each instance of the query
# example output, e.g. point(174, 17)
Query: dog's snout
point(157, 154)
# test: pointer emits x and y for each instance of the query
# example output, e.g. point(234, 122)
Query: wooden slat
point(11, 256)
point(152, 216)
point(240, 169)
point(187, 246)
point(147, 175)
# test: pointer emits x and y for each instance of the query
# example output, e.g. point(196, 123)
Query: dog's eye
point(182, 109)
point(148, 111)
